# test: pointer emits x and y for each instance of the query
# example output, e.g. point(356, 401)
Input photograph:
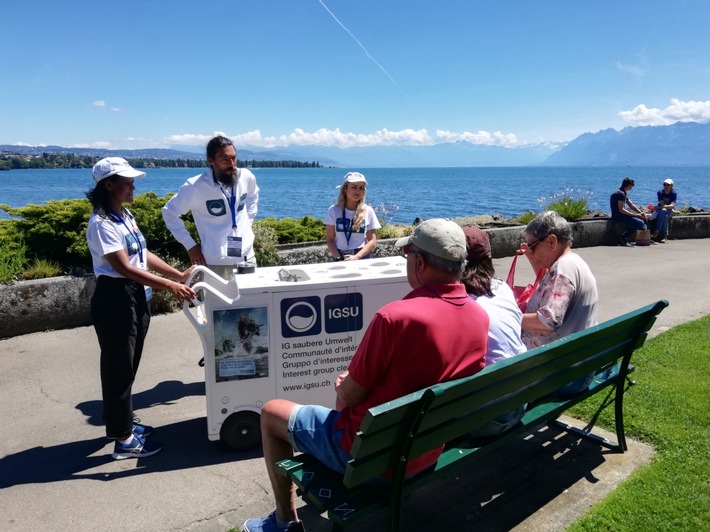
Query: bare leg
point(274, 434)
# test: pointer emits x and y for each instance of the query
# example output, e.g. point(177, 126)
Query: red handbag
point(522, 293)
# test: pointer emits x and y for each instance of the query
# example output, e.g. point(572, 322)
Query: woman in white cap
point(119, 306)
point(667, 198)
point(350, 224)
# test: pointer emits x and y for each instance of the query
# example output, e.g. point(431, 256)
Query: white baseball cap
point(109, 166)
point(353, 177)
point(668, 182)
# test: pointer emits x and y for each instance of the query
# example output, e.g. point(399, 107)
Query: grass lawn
point(669, 408)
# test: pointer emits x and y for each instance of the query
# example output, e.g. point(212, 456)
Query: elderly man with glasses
point(436, 333)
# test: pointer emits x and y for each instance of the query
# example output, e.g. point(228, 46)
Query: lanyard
point(132, 232)
point(232, 201)
point(347, 227)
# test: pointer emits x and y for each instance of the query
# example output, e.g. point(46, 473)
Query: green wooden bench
point(396, 431)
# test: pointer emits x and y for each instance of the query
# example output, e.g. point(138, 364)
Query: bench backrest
point(446, 411)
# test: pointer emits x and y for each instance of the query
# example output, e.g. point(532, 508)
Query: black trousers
point(121, 318)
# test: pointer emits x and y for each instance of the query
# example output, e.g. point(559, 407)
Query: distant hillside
point(680, 144)
point(97, 152)
point(463, 154)
point(459, 154)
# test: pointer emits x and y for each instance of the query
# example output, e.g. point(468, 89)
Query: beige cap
point(437, 237)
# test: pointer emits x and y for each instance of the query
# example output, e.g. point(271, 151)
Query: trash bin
point(283, 332)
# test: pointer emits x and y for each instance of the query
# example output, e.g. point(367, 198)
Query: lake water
point(406, 193)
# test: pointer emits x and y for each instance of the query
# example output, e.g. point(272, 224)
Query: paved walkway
point(56, 472)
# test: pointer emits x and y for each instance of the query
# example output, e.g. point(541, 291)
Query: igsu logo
point(300, 316)
point(343, 312)
point(216, 207)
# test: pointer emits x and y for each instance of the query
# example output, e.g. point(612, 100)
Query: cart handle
point(202, 322)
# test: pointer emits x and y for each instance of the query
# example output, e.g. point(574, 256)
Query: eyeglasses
point(531, 246)
point(356, 187)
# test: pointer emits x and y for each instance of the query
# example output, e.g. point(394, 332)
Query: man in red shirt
point(436, 333)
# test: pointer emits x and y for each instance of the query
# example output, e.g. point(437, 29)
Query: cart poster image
point(241, 343)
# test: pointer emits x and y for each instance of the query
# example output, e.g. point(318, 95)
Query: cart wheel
point(241, 431)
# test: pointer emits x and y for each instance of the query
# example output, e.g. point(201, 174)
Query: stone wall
point(63, 302)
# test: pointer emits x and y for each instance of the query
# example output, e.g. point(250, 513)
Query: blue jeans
point(632, 225)
point(575, 386)
point(499, 425)
point(663, 218)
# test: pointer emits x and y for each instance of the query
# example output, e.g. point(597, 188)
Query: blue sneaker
point(138, 448)
point(142, 430)
point(268, 524)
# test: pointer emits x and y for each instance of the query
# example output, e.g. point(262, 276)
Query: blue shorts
point(311, 430)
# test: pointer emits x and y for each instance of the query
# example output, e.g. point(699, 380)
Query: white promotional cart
point(283, 332)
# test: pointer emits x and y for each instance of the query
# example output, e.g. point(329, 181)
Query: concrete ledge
point(43, 304)
point(63, 302)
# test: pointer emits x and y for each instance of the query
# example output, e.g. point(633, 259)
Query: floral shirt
point(565, 301)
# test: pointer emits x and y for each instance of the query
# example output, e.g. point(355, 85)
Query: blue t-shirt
point(616, 197)
point(667, 198)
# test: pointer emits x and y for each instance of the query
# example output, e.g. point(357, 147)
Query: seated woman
point(566, 299)
point(667, 198)
point(350, 224)
point(498, 301)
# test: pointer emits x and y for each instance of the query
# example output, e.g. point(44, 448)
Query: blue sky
point(346, 72)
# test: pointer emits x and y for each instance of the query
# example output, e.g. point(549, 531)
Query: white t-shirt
point(505, 323)
point(104, 236)
point(342, 219)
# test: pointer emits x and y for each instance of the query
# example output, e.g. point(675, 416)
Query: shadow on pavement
point(495, 494)
point(185, 446)
point(164, 393)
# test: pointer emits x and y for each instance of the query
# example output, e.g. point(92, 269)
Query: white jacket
point(209, 204)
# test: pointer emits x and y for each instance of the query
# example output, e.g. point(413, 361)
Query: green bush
point(571, 204)
point(394, 231)
point(12, 253)
point(265, 241)
point(292, 231)
point(525, 218)
point(147, 209)
point(41, 269)
point(55, 231)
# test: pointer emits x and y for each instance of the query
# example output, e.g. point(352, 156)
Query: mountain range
point(679, 144)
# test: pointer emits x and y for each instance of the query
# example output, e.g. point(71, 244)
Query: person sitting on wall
point(635, 218)
point(664, 210)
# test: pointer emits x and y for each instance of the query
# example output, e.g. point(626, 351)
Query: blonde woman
point(350, 224)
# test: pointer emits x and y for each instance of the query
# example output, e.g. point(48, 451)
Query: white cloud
point(481, 137)
point(102, 144)
point(193, 139)
point(99, 103)
point(115, 109)
point(340, 139)
point(677, 111)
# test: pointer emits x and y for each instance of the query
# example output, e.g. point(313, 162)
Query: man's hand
point(196, 256)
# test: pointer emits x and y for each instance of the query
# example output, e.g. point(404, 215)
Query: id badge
point(148, 292)
point(234, 246)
